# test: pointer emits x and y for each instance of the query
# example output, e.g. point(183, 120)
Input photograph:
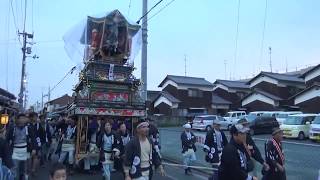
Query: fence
point(302, 160)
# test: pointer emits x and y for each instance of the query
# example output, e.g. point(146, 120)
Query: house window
point(195, 93)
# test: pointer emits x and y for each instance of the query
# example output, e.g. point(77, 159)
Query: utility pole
point(42, 100)
point(185, 65)
point(25, 50)
point(45, 95)
point(144, 52)
point(270, 61)
point(225, 69)
point(49, 94)
point(286, 65)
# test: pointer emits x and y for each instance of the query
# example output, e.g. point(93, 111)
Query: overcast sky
point(203, 30)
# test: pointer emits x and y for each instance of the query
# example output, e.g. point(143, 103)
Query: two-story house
point(7, 102)
point(272, 91)
point(309, 99)
point(184, 96)
point(151, 96)
point(231, 91)
point(58, 103)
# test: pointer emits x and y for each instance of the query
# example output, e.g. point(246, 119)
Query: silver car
point(204, 122)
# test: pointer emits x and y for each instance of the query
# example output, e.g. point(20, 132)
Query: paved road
point(172, 173)
point(302, 157)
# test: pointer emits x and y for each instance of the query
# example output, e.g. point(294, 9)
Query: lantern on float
point(4, 119)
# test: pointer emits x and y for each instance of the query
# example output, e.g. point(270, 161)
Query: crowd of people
point(236, 159)
point(30, 140)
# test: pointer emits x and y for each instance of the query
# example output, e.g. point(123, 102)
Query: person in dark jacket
point(140, 155)
point(67, 142)
point(93, 160)
point(5, 152)
point(40, 138)
point(275, 157)
point(215, 141)
point(252, 150)
point(109, 145)
point(46, 140)
point(22, 140)
point(154, 136)
point(234, 160)
point(188, 140)
point(125, 137)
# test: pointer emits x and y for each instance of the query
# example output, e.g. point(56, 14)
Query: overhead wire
point(14, 17)
point(7, 48)
point(14, 21)
point(236, 41)
point(25, 15)
point(21, 9)
point(263, 34)
point(32, 17)
point(155, 14)
point(149, 11)
point(64, 77)
point(129, 8)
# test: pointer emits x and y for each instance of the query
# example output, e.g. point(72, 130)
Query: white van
point(282, 116)
point(234, 116)
point(315, 129)
point(297, 126)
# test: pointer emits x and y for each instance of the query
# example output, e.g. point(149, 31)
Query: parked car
point(204, 122)
point(225, 123)
point(297, 126)
point(314, 133)
point(282, 116)
point(235, 116)
point(253, 115)
point(270, 113)
point(263, 125)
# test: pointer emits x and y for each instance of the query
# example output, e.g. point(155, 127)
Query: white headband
point(142, 124)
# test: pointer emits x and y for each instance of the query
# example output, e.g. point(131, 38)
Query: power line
point(14, 17)
point(236, 41)
point(49, 41)
point(149, 11)
point(25, 15)
point(263, 33)
point(64, 77)
point(14, 21)
point(21, 9)
point(7, 48)
point(32, 15)
point(129, 8)
point(168, 4)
